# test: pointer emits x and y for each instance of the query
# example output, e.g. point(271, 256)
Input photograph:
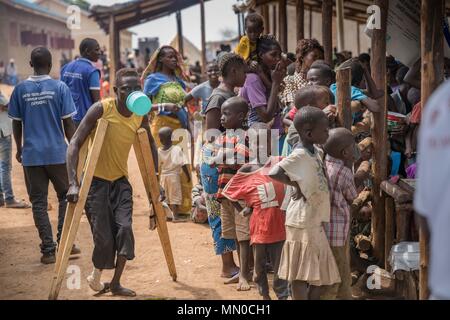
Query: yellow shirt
point(120, 136)
point(245, 49)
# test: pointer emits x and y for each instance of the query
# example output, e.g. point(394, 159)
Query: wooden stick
point(69, 213)
point(379, 132)
point(300, 13)
point(76, 209)
point(343, 81)
point(147, 168)
point(340, 25)
point(359, 202)
point(282, 21)
point(202, 30)
point(390, 230)
point(327, 30)
point(431, 16)
point(265, 14)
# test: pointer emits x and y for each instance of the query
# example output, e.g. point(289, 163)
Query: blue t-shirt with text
point(41, 104)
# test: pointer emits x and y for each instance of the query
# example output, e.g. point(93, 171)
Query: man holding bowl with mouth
point(109, 204)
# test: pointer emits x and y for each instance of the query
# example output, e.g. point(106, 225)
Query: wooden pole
point(75, 211)
point(310, 22)
point(265, 14)
point(343, 81)
point(300, 10)
point(379, 135)
point(327, 37)
point(358, 37)
point(147, 167)
point(180, 33)
point(112, 55)
point(432, 51)
point(390, 230)
point(202, 27)
point(274, 18)
point(282, 20)
point(340, 25)
point(238, 15)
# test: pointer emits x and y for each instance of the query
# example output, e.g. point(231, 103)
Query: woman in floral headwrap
point(164, 84)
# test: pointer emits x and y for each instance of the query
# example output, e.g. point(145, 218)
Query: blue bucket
point(139, 103)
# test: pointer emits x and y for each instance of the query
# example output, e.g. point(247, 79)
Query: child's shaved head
point(41, 58)
point(238, 104)
point(165, 135)
point(311, 124)
point(234, 111)
point(314, 95)
point(308, 116)
point(338, 140)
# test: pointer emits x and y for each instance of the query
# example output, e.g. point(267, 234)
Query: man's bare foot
point(243, 284)
point(118, 290)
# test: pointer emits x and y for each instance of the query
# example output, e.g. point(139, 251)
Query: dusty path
point(22, 276)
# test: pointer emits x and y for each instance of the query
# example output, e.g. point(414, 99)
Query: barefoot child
point(265, 196)
point(171, 161)
point(306, 258)
point(109, 205)
point(42, 110)
point(232, 69)
point(341, 151)
point(229, 154)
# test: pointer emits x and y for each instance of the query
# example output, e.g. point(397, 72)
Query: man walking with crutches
point(109, 204)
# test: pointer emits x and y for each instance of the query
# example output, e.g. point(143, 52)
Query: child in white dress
point(307, 258)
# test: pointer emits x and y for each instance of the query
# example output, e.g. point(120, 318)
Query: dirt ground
point(22, 276)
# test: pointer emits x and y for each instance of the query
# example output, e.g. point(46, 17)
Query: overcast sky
point(218, 16)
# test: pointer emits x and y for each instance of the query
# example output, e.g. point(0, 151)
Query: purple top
point(257, 95)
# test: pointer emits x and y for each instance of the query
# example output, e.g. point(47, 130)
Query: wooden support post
point(265, 14)
point(343, 81)
point(431, 17)
point(75, 210)
point(390, 230)
point(147, 167)
point(238, 15)
point(274, 19)
point(180, 33)
point(379, 134)
point(327, 37)
point(310, 22)
point(282, 20)
point(358, 38)
point(340, 25)
point(202, 27)
point(112, 55)
point(300, 10)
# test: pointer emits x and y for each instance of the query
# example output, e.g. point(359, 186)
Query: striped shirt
point(235, 147)
point(342, 191)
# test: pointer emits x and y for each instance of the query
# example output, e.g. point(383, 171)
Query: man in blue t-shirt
point(203, 91)
point(83, 78)
point(42, 110)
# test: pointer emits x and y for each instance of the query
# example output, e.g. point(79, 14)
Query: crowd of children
point(286, 211)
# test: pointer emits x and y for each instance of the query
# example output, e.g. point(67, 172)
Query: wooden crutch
point(75, 210)
point(69, 213)
point(147, 168)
